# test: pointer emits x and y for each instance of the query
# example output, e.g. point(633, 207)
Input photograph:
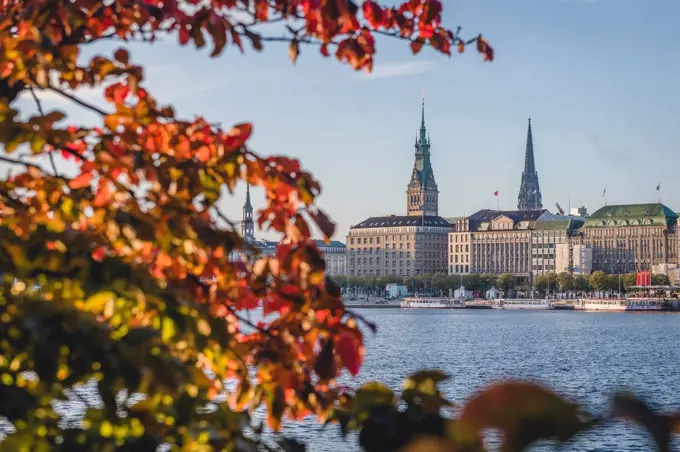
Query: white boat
point(431, 303)
point(522, 303)
point(619, 304)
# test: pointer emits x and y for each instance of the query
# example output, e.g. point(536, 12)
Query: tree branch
point(80, 102)
point(22, 162)
point(42, 113)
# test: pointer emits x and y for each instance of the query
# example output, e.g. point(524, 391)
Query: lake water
point(583, 356)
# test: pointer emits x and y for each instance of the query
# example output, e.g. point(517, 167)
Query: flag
point(604, 192)
point(495, 193)
point(658, 187)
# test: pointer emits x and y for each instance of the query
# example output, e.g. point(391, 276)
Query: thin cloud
point(399, 69)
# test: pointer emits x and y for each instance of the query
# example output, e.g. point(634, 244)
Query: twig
point(42, 113)
point(78, 101)
point(21, 162)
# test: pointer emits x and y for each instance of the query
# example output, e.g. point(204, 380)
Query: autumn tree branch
point(42, 113)
point(75, 99)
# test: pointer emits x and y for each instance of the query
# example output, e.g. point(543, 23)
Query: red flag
point(495, 193)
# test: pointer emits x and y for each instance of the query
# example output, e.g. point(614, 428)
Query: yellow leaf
point(99, 302)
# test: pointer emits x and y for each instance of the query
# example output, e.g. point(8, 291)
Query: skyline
point(599, 98)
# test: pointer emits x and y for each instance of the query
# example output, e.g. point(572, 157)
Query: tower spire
point(422, 195)
point(247, 225)
point(529, 163)
point(529, 191)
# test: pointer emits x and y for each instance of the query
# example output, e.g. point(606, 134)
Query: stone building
point(529, 197)
point(493, 241)
point(549, 235)
point(398, 245)
point(629, 238)
point(335, 255)
point(408, 245)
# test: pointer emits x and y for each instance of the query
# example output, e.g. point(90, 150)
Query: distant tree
point(341, 280)
point(659, 279)
point(552, 281)
point(488, 280)
point(541, 283)
point(506, 282)
point(628, 280)
point(599, 281)
point(581, 283)
point(565, 281)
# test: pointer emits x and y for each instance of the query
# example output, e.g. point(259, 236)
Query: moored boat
point(431, 303)
point(620, 304)
point(522, 303)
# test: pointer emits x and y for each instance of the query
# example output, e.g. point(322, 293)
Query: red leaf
point(81, 181)
point(237, 136)
point(325, 224)
point(350, 351)
point(417, 45)
point(98, 253)
point(183, 35)
point(484, 48)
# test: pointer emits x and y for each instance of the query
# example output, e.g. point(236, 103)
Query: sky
point(599, 78)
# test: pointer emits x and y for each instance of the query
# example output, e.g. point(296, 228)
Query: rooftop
point(655, 214)
point(569, 224)
point(332, 244)
point(402, 220)
point(514, 215)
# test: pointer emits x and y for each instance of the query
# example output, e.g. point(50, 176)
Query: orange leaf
point(81, 181)
point(294, 50)
point(103, 195)
point(461, 47)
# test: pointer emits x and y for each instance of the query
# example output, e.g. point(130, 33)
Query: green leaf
point(371, 395)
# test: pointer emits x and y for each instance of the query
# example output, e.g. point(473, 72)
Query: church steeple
point(529, 197)
point(422, 194)
point(247, 225)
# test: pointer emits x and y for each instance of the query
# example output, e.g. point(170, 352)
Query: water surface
point(584, 356)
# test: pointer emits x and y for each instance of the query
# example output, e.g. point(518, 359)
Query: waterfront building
point(573, 258)
point(547, 237)
point(398, 245)
point(630, 238)
point(407, 245)
point(493, 241)
point(529, 197)
point(335, 256)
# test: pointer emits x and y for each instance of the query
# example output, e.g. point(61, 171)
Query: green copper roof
point(568, 224)
point(632, 215)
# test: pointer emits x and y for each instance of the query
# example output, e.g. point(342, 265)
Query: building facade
point(398, 245)
point(573, 258)
point(529, 197)
point(492, 241)
point(422, 193)
point(335, 256)
point(630, 238)
point(547, 237)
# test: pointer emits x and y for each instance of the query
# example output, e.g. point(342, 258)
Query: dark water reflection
point(584, 356)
